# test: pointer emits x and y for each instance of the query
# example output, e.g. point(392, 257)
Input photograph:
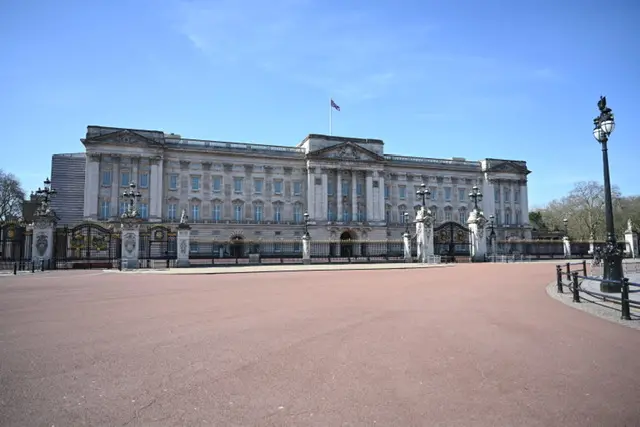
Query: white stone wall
point(321, 181)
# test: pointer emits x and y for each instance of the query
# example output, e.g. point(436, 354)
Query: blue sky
point(475, 79)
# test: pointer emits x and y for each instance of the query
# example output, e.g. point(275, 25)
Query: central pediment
point(508, 166)
point(121, 137)
point(346, 151)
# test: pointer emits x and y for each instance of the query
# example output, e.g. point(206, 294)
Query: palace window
point(144, 210)
point(402, 191)
point(277, 213)
point(257, 212)
point(386, 191)
point(447, 194)
point(173, 182)
point(105, 209)
point(237, 212)
point(297, 188)
point(257, 186)
point(171, 210)
point(277, 187)
point(462, 194)
point(144, 180)
point(345, 188)
point(237, 185)
point(297, 213)
point(359, 189)
point(217, 184)
point(217, 212)
point(124, 179)
point(106, 178)
point(195, 183)
point(195, 212)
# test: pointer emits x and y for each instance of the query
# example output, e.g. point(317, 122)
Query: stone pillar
point(478, 242)
point(115, 185)
point(339, 195)
point(381, 200)
point(566, 246)
point(592, 244)
point(184, 244)
point(369, 213)
point(306, 249)
point(42, 240)
point(631, 238)
point(406, 240)
point(91, 186)
point(325, 196)
point(524, 201)
point(311, 196)
point(354, 196)
point(130, 235)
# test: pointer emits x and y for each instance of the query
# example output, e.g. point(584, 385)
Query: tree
point(583, 207)
point(11, 197)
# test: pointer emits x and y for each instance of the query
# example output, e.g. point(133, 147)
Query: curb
point(602, 310)
point(248, 270)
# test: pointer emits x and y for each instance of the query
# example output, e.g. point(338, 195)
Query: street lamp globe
point(608, 125)
point(599, 134)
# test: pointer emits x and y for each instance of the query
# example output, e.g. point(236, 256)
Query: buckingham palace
point(350, 187)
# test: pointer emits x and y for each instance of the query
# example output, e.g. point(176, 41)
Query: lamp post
point(476, 196)
point(44, 197)
point(492, 235)
point(566, 227)
point(423, 193)
point(612, 256)
point(306, 225)
point(133, 196)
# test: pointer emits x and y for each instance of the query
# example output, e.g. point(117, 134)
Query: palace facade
point(349, 186)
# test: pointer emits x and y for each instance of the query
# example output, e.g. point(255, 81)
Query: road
point(472, 345)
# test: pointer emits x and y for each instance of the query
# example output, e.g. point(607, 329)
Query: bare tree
point(11, 197)
point(584, 209)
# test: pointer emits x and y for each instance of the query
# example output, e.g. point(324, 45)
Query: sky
point(452, 78)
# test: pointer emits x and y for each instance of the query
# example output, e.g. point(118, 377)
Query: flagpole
point(330, 117)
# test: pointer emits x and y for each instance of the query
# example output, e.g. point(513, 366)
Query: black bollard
point(576, 290)
point(624, 297)
point(559, 279)
point(15, 268)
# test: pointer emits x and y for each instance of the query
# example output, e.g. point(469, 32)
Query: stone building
point(349, 186)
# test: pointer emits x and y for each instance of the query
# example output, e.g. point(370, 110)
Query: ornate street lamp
point(566, 227)
point(131, 212)
point(476, 196)
point(306, 224)
point(604, 125)
point(424, 193)
point(492, 234)
point(44, 196)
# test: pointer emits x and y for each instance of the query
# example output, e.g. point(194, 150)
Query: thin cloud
point(356, 55)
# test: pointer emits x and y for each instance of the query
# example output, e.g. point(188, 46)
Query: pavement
point(473, 345)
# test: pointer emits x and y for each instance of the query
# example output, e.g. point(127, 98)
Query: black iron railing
point(572, 276)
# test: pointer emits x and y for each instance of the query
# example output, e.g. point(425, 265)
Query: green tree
point(11, 197)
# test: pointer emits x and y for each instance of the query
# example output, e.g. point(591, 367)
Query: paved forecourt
point(479, 345)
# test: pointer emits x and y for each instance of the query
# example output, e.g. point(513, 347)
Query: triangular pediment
point(122, 137)
point(346, 151)
point(509, 167)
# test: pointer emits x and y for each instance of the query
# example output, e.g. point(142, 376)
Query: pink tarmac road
point(472, 345)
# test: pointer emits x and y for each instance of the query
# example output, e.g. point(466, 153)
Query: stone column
point(42, 240)
point(380, 197)
point(524, 202)
point(115, 185)
point(155, 189)
point(91, 186)
point(184, 244)
point(631, 239)
point(311, 196)
point(478, 242)
point(566, 246)
point(592, 244)
point(406, 240)
point(354, 196)
point(306, 249)
point(370, 214)
point(339, 195)
point(325, 196)
point(130, 236)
